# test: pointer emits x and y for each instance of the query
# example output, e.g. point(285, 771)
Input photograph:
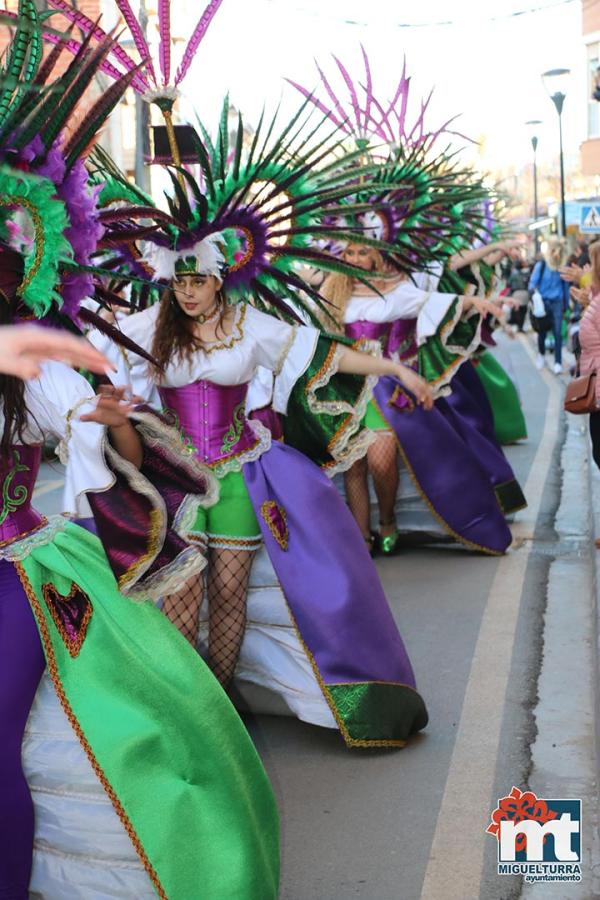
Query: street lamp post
point(555, 82)
point(533, 123)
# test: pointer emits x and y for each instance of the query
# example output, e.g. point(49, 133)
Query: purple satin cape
point(446, 471)
point(336, 600)
point(469, 411)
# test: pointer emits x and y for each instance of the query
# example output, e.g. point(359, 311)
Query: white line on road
point(47, 486)
point(457, 849)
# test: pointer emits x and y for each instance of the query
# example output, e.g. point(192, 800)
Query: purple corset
point(213, 416)
point(17, 516)
point(372, 331)
point(402, 338)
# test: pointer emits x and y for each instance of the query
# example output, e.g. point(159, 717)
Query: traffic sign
point(590, 219)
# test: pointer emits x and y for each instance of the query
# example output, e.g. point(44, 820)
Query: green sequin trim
point(234, 433)
point(378, 712)
point(21, 494)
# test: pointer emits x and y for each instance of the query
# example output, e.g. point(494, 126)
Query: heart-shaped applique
point(71, 615)
point(275, 517)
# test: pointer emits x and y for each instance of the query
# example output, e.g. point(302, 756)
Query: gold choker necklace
point(206, 318)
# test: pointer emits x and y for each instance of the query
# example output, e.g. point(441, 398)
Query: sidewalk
point(564, 757)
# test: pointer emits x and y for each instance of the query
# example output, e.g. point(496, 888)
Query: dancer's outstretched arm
point(24, 347)
point(355, 363)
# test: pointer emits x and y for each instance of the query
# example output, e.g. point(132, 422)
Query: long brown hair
point(174, 333)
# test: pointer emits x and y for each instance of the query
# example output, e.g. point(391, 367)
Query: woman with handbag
point(554, 290)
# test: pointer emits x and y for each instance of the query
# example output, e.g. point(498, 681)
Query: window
point(593, 54)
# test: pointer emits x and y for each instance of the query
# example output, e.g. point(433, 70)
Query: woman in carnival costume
point(500, 412)
point(154, 787)
point(220, 360)
point(428, 203)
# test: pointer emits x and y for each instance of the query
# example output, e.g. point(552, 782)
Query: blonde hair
point(554, 253)
point(594, 251)
point(338, 288)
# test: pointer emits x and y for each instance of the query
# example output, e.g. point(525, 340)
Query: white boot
point(557, 369)
point(540, 362)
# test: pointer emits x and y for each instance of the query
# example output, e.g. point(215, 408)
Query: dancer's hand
point(24, 347)
point(484, 307)
point(112, 407)
point(416, 385)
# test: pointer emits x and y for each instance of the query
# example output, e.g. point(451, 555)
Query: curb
point(564, 757)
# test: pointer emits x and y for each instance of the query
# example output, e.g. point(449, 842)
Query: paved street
point(383, 825)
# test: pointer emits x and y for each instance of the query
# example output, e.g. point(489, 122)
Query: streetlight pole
point(558, 98)
point(534, 145)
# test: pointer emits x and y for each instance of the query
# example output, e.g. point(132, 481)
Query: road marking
point(47, 486)
point(455, 864)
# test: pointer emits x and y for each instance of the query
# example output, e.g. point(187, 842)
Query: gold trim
point(25, 534)
point(266, 507)
point(62, 697)
point(73, 646)
point(233, 339)
point(155, 539)
point(467, 543)
point(348, 739)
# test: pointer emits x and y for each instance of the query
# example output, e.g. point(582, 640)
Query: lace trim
point(20, 549)
point(236, 463)
point(157, 433)
point(158, 519)
point(285, 352)
point(350, 442)
point(237, 333)
point(170, 577)
point(62, 450)
point(442, 384)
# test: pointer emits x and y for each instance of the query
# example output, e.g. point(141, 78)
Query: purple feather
point(89, 27)
point(73, 46)
point(369, 85)
point(402, 89)
point(164, 27)
point(308, 95)
point(196, 38)
point(331, 93)
point(352, 89)
point(138, 36)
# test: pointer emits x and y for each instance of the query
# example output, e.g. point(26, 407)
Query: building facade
point(590, 149)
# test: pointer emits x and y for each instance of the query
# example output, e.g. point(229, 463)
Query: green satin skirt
point(160, 733)
point(509, 421)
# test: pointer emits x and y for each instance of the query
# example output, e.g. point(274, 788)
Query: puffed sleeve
point(429, 308)
point(132, 369)
point(55, 401)
point(285, 351)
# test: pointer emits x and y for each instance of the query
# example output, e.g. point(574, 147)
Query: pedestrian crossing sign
point(590, 219)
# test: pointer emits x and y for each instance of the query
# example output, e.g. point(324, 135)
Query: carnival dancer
point(443, 466)
point(219, 360)
point(499, 402)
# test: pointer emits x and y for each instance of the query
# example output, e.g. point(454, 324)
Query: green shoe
point(388, 545)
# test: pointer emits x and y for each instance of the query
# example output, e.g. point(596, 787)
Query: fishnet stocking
point(357, 495)
point(183, 608)
point(382, 460)
point(228, 576)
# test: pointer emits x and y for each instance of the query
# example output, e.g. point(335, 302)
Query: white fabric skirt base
point(81, 849)
point(274, 675)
